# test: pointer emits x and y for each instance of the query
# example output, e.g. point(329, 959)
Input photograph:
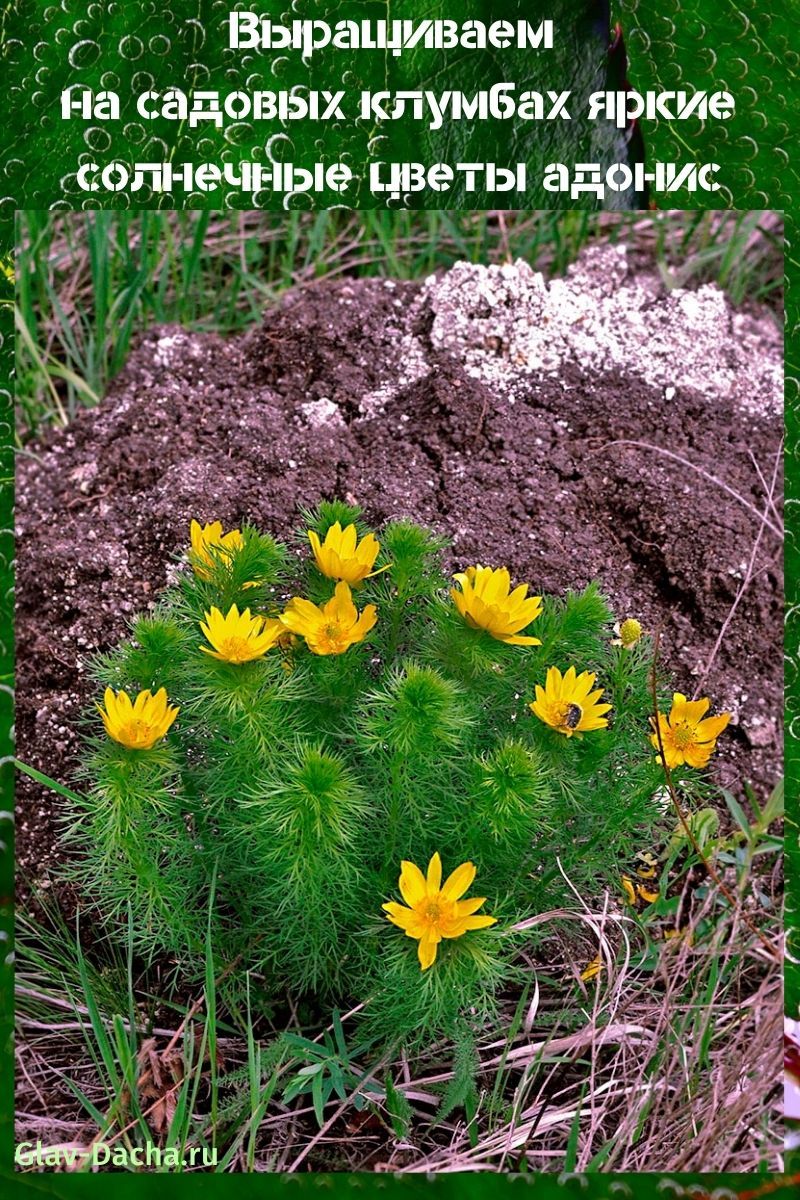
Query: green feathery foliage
point(291, 787)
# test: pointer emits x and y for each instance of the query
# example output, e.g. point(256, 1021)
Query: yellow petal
point(568, 684)
point(459, 881)
point(673, 757)
point(459, 600)
point(479, 922)
point(365, 622)
point(483, 617)
point(368, 550)
point(699, 755)
point(583, 686)
point(589, 724)
point(454, 928)
point(426, 952)
point(465, 908)
point(340, 607)
point(434, 880)
point(413, 887)
point(592, 970)
point(301, 616)
point(696, 710)
point(553, 683)
point(492, 585)
point(593, 718)
point(710, 729)
point(350, 542)
point(398, 914)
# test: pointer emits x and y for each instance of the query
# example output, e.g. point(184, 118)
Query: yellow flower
point(487, 602)
point(435, 911)
point(141, 724)
point(638, 896)
point(339, 557)
point(628, 633)
point(332, 628)
point(239, 637)
point(568, 704)
point(686, 736)
point(592, 969)
point(646, 864)
point(206, 537)
point(686, 935)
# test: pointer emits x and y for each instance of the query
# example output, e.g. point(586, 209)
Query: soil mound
point(487, 403)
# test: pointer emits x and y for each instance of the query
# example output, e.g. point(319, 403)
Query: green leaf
point(737, 812)
point(398, 1108)
point(319, 1096)
point(461, 1091)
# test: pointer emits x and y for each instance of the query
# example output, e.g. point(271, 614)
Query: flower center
point(682, 735)
point(333, 636)
point(137, 731)
point(433, 912)
point(235, 649)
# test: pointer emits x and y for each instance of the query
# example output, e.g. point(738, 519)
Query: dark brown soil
point(299, 409)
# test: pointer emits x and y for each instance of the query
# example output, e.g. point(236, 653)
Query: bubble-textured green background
point(132, 48)
point(742, 46)
point(749, 47)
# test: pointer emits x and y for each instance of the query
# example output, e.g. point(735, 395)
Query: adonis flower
point(486, 601)
point(568, 703)
point(686, 737)
point(339, 557)
point(592, 969)
point(239, 637)
point(206, 538)
point(138, 725)
point(435, 911)
point(640, 895)
point(330, 628)
point(628, 633)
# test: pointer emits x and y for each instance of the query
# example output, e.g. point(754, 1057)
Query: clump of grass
point(88, 282)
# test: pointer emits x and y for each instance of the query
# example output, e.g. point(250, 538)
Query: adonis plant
point(359, 777)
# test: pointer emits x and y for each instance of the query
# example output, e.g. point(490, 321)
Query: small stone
point(321, 412)
point(759, 732)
